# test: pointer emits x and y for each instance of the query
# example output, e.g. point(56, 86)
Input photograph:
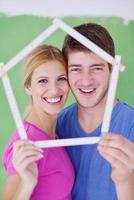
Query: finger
point(20, 145)
point(21, 167)
point(30, 160)
point(119, 142)
point(23, 150)
point(118, 155)
point(29, 147)
point(115, 164)
point(21, 159)
point(17, 144)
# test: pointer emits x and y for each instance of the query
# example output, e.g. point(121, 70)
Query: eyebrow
point(97, 64)
point(78, 65)
point(41, 77)
point(63, 75)
point(93, 65)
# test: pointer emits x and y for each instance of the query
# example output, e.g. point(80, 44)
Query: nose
point(86, 78)
point(53, 88)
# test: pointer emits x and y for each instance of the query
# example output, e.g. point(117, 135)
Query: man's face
point(88, 78)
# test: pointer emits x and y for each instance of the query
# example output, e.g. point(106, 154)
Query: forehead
point(49, 68)
point(84, 57)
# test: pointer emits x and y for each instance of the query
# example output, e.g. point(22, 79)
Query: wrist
point(124, 181)
point(24, 191)
point(28, 186)
point(125, 189)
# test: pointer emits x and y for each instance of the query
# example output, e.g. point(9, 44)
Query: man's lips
point(87, 91)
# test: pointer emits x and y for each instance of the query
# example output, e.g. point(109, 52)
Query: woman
point(33, 173)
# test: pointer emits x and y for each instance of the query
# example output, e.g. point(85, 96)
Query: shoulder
point(123, 120)
point(125, 109)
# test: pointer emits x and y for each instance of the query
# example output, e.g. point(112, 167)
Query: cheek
point(106, 80)
point(63, 87)
point(37, 91)
point(73, 78)
point(102, 79)
point(66, 87)
point(34, 96)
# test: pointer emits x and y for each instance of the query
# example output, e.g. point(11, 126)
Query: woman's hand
point(25, 154)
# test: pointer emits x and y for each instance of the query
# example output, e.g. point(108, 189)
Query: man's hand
point(119, 152)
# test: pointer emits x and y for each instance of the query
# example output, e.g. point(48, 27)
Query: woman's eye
point(62, 79)
point(43, 81)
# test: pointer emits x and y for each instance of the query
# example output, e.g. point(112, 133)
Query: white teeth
point(87, 90)
point(53, 100)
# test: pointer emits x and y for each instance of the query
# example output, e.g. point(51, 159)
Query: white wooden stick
point(111, 91)
point(29, 48)
point(68, 142)
point(111, 95)
point(13, 105)
point(86, 42)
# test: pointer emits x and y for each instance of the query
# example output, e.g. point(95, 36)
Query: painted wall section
point(17, 32)
point(58, 8)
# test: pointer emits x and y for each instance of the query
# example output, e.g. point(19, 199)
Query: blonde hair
point(39, 55)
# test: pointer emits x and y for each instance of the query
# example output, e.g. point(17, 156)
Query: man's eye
point(43, 81)
point(97, 69)
point(75, 70)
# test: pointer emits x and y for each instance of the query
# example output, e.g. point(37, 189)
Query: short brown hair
point(94, 32)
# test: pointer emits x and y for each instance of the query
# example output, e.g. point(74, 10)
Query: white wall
point(58, 8)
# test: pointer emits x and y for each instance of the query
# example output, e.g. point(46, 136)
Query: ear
point(28, 90)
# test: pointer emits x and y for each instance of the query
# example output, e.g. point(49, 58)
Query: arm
point(15, 190)
point(21, 185)
point(119, 152)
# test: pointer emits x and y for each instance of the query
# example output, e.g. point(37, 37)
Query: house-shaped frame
point(57, 23)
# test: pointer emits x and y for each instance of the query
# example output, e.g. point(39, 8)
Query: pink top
point(56, 174)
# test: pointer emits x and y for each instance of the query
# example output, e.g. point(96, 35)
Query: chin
point(87, 104)
point(54, 112)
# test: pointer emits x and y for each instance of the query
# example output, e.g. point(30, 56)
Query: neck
point(91, 118)
point(43, 121)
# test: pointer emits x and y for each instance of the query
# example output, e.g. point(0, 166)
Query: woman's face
point(49, 87)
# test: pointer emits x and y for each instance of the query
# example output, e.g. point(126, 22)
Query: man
point(103, 171)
